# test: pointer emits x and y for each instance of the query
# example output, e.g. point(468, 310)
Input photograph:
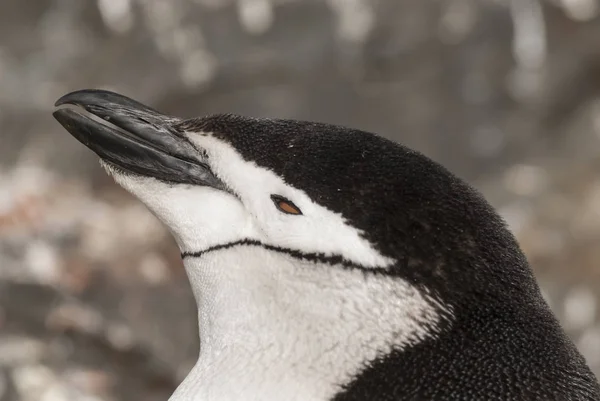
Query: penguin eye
point(285, 205)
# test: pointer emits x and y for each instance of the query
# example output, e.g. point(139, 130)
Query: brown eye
point(285, 205)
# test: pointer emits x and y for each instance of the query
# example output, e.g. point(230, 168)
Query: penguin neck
point(287, 329)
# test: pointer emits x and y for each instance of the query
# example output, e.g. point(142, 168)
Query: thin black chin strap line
point(311, 257)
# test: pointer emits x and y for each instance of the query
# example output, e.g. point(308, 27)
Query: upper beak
point(133, 137)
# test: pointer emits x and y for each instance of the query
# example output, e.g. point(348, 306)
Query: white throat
point(276, 328)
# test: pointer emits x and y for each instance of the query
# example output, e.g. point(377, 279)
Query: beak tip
point(66, 117)
point(58, 115)
point(77, 97)
point(61, 101)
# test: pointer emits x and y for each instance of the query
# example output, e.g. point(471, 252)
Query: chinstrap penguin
point(332, 264)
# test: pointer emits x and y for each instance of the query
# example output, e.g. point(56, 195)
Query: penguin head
point(316, 191)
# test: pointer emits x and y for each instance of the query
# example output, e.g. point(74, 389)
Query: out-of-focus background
point(94, 303)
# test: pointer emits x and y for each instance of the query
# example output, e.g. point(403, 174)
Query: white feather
point(273, 328)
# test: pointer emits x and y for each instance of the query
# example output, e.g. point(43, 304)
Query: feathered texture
point(503, 342)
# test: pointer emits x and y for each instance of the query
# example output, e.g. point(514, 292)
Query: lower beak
point(133, 137)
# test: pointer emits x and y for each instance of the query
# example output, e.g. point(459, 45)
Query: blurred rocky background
point(94, 303)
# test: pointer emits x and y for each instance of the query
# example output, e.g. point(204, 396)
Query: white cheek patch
point(317, 230)
point(198, 217)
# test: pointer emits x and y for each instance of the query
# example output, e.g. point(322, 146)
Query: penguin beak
point(133, 137)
